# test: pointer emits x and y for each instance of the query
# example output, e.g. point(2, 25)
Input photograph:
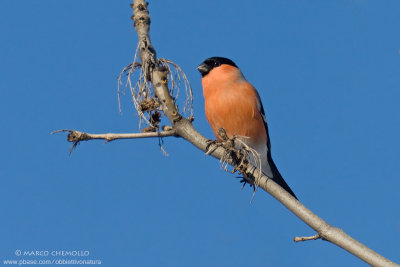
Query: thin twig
point(306, 238)
point(81, 136)
point(76, 136)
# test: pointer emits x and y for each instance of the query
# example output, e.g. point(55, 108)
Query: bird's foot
point(245, 181)
point(224, 141)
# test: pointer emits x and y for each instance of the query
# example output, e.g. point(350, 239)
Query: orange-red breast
point(233, 104)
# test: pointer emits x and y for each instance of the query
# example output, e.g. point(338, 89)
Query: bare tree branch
point(155, 73)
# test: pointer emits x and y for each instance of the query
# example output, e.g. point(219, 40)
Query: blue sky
point(328, 73)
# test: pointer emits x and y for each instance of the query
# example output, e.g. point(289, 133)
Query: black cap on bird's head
point(207, 65)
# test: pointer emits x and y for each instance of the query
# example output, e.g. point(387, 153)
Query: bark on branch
point(157, 75)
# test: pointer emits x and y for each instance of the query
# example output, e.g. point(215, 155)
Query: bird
point(234, 105)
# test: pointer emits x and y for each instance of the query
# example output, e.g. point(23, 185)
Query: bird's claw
point(211, 146)
point(244, 181)
point(224, 141)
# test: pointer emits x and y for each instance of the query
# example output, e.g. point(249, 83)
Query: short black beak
point(204, 69)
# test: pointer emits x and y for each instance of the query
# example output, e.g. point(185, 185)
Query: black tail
point(279, 179)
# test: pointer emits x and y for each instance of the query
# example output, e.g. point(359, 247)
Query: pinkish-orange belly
point(237, 116)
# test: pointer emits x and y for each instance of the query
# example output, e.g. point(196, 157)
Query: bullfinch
point(233, 104)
